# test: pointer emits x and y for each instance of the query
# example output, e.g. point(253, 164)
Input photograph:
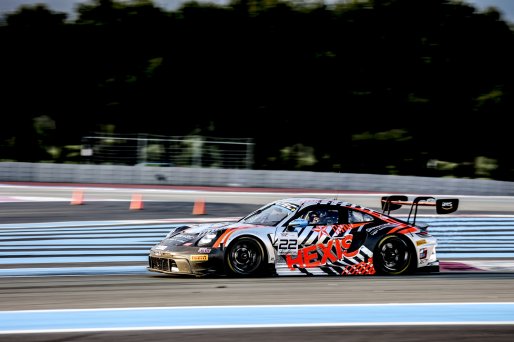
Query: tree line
point(404, 87)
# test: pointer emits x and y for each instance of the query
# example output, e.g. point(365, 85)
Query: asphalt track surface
point(29, 293)
point(28, 212)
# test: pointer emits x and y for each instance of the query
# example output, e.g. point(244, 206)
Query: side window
point(312, 216)
point(331, 217)
point(355, 216)
point(322, 216)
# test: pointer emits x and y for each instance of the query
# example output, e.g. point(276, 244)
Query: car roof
point(308, 201)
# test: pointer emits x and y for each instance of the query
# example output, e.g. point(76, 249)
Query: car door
point(308, 245)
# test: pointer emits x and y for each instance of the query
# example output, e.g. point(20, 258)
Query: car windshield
point(268, 216)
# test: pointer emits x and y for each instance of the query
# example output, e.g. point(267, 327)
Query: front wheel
point(245, 257)
point(393, 256)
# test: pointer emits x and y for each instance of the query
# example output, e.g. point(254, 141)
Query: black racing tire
point(393, 256)
point(245, 257)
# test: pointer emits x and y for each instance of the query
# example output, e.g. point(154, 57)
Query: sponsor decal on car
point(202, 257)
point(322, 231)
point(447, 205)
point(342, 228)
point(319, 254)
point(204, 250)
point(421, 242)
point(287, 243)
point(288, 206)
point(376, 229)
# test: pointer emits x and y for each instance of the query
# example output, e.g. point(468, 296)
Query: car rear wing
point(443, 205)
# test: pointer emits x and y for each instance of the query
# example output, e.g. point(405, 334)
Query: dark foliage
point(371, 86)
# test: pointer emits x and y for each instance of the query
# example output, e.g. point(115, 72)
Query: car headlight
point(208, 239)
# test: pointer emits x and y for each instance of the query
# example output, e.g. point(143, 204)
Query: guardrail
point(119, 174)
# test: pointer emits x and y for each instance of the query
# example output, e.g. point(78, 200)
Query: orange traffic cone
point(77, 198)
point(199, 208)
point(137, 202)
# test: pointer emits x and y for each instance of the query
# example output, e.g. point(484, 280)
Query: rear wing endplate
point(442, 206)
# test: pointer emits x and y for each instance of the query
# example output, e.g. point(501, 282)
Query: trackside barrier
point(182, 176)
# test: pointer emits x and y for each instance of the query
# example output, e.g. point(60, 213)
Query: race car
point(306, 236)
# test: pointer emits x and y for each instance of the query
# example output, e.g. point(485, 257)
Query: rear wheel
point(245, 257)
point(393, 256)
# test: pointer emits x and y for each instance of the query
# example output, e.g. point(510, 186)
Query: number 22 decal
point(287, 243)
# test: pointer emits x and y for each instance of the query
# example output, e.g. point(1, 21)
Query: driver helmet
point(314, 216)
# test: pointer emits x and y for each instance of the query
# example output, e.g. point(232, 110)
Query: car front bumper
point(186, 261)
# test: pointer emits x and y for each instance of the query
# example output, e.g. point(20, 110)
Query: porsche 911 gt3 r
point(306, 236)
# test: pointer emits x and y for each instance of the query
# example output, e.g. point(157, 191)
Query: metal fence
point(156, 150)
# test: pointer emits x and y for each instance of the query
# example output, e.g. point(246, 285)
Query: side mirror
point(297, 223)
